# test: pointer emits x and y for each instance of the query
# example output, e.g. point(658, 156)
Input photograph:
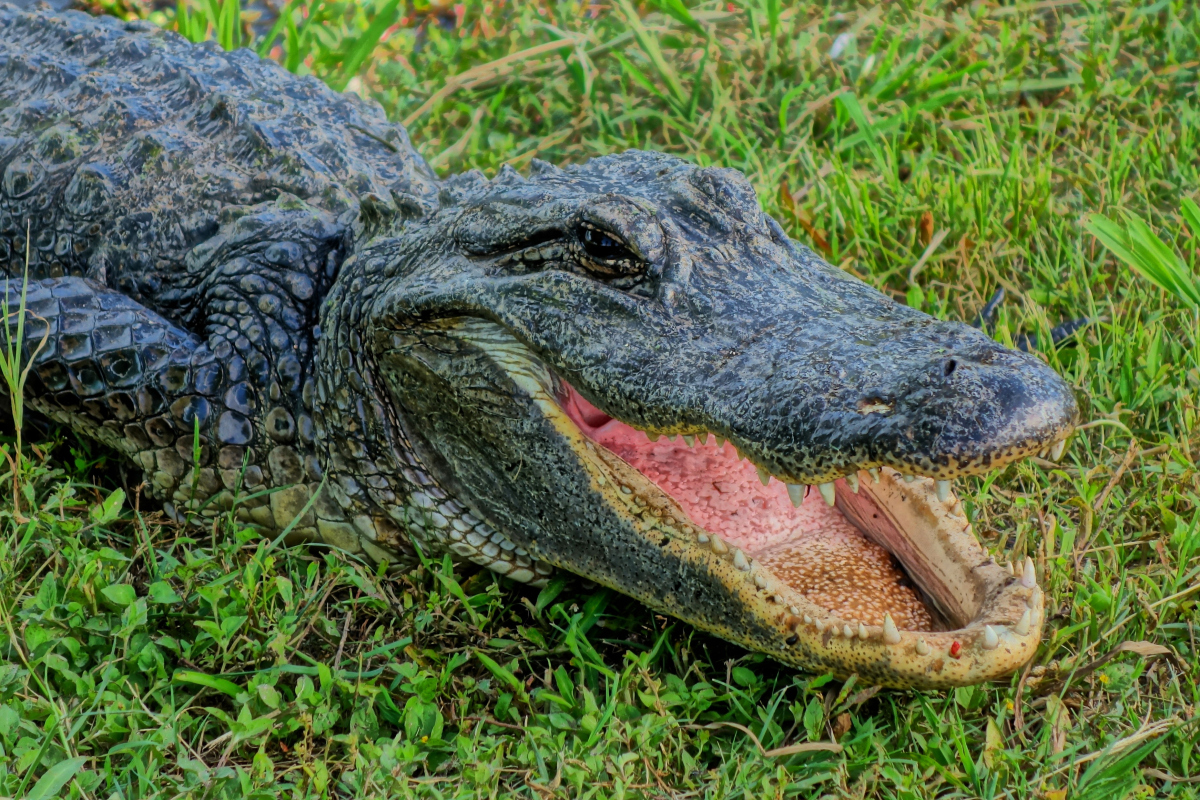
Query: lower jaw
point(986, 618)
point(972, 620)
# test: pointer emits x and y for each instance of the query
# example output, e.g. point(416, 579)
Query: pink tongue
point(719, 491)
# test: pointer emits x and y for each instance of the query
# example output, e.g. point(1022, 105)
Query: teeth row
point(890, 633)
point(798, 491)
point(990, 639)
point(1027, 574)
point(1054, 451)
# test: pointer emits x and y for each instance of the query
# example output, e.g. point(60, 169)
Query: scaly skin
point(220, 247)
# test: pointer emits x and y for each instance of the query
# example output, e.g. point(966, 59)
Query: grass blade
point(51, 783)
point(200, 679)
point(649, 44)
point(503, 675)
point(366, 43)
point(678, 11)
point(849, 102)
point(1141, 249)
point(1191, 215)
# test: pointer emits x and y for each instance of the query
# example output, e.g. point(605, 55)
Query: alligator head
point(629, 371)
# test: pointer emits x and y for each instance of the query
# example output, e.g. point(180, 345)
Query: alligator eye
point(602, 245)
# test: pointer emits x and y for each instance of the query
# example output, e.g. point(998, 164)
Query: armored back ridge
point(243, 281)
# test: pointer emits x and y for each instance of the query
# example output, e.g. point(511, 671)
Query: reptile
point(257, 291)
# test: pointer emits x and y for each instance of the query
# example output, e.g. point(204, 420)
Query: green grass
point(970, 140)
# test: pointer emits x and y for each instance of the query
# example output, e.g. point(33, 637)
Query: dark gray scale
point(185, 211)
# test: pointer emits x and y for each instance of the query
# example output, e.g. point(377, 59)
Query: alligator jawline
point(838, 581)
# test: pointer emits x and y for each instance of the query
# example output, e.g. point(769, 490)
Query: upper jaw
point(936, 399)
point(810, 393)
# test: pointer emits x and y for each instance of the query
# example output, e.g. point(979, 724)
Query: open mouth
point(877, 573)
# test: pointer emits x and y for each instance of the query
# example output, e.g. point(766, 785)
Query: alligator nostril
point(949, 367)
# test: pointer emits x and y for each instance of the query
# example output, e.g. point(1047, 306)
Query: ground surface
point(938, 150)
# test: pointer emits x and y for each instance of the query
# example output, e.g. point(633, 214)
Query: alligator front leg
point(177, 405)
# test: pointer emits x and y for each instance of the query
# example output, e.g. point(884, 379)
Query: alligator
point(257, 291)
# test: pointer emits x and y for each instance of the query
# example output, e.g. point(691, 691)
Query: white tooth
point(990, 640)
point(1029, 576)
point(943, 490)
point(1012, 570)
point(874, 474)
point(720, 441)
point(909, 478)
point(670, 437)
point(891, 635)
point(760, 581)
point(764, 476)
point(1042, 453)
point(1057, 450)
point(1022, 626)
point(852, 482)
point(689, 440)
point(739, 560)
point(795, 612)
point(847, 631)
point(718, 546)
point(796, 493)
point(819, 625)
point(921, 648)
point(827, 492)
point(702, 538)
point(807, 619)
point(862, 631)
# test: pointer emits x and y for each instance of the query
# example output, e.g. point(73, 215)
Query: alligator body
point(244, 281)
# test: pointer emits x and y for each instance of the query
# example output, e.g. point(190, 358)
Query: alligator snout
point(922, 396)
point(960, 404)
